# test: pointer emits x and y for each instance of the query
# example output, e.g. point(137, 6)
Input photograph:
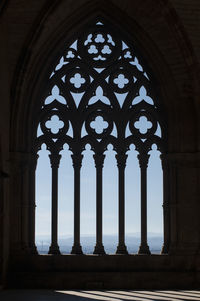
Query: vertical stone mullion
point(99, 159)
point(143, 161)
point(121, 164)
point(32, 205)
point(77, 163)
point(55, 161)
point(166, 219)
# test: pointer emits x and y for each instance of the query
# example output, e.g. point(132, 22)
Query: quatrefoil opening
point(54, 125)
point(77, 80)
point(99, 125)
point(143, 125)
point(120, 80)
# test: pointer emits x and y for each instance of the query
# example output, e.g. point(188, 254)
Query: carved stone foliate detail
point(121, 160)
point(143, 160)
point(77, 160)
point(55, 160)
point(99, 160)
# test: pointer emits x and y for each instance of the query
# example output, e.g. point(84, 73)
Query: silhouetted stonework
point(167, 32)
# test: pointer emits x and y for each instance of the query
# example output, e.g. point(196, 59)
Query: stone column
point(33, 165)
point(166, 220)
point(55, 161)
point(143, 161)
point(99, 159)
point(77, 163)
point(121, 164)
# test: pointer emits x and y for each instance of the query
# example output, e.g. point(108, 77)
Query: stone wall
point(167, 32)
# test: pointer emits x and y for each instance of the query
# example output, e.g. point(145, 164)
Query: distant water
point(155, 242)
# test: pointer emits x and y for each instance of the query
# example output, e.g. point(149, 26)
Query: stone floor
point(111, 295)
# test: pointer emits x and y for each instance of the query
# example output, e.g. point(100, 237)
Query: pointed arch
point(44, 44)
point(39, 90)
point(100, 65)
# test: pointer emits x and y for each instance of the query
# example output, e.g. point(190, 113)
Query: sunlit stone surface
point(44, 295)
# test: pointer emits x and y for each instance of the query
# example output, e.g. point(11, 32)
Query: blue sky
point(88, 184)
point(88, 194)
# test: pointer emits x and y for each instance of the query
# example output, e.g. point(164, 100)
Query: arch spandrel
point(50, 50)
point(50, 39)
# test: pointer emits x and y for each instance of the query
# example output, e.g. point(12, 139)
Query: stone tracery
point(99, 78)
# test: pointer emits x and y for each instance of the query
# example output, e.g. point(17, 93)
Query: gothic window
point(100, 93)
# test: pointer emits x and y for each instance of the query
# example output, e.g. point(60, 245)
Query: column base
point(54, 250)
point(77, 249)
point(122, 249)
point(165, 249)
point(99, 249)
point(144, 249)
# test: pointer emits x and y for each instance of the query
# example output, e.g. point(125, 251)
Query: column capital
point(55, 160)
point(143, 160)
point(99, 160)
point(121, 160)
point(77, 160)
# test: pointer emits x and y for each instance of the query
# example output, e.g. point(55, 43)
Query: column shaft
point(143, 160)
point(55, 160)
point(33, 166)
point(99, 159)
point(121, 163)
point(166, 220)
point(77, 161)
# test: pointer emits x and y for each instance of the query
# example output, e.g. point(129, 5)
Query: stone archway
point(168, 68)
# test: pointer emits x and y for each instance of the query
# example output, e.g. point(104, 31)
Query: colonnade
point(99, 158)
